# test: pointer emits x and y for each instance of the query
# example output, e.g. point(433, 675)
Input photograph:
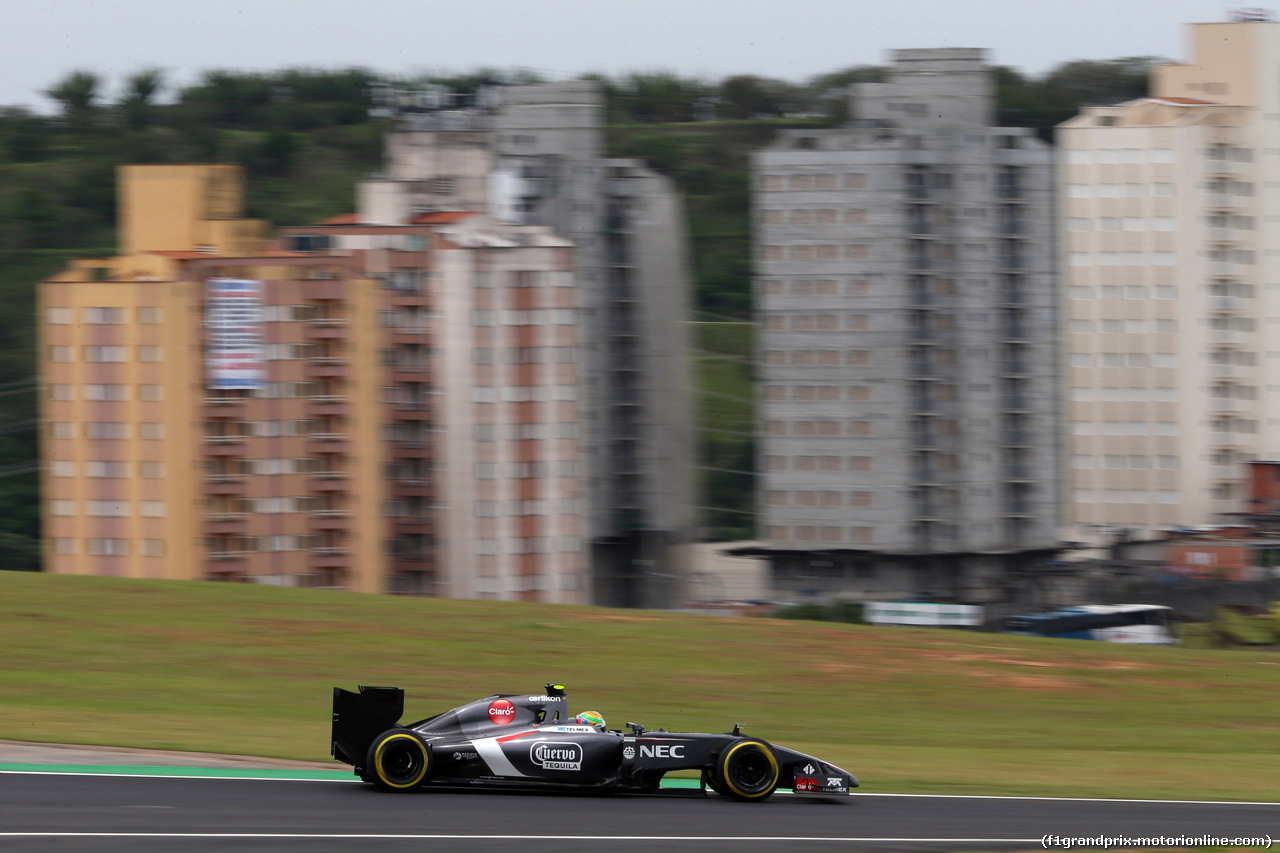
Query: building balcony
point(925, 474)
point(1015, 438)
point(1216, 166)
point(217, 485)
point(411, 488)
point(1221, 201)
point(1015, 367)
point(329, 482)
point(323, 290)
point(328, 444)
point(1228, 473)
point(326, 405)
point(224, 407)
point(1223, 507)
point(224, 450)
point(1228, 371)
point(411, 450)
point(328, 519)
point(409, 336)
point(326, 329)
point(328, 558)
point(326, 368)
point(1226, 336)
point(402, 526)
point(1226, 405)
point(226, 524)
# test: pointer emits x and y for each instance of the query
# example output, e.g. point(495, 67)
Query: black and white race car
point(526, 740)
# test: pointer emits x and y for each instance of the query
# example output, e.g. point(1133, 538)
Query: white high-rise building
point(534, 155)
point(905, 290)
point(1170, 207)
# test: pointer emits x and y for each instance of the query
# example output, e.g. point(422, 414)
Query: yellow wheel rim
point(773, 763)
point(382, 746)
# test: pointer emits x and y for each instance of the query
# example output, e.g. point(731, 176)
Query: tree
point(137, 107)
point(748, 96)
point(77, 93)
point(1089, 82)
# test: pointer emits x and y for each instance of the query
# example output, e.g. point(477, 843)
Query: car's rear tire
point(746, 770)
point(398, 760)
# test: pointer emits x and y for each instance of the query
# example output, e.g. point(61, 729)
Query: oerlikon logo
point(501, 712)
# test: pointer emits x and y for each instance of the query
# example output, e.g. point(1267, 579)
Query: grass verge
point(242, 669)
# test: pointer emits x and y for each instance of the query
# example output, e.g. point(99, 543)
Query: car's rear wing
point(360, 717)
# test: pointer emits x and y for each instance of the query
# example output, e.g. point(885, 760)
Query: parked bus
point(1144, 624)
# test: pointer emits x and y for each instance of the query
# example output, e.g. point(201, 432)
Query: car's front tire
point(746, 770)
point(398, 760)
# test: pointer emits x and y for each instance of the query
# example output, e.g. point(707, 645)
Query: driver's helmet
point(590, 718)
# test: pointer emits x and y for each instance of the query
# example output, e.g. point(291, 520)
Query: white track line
point(442, 837)
point(855, 794)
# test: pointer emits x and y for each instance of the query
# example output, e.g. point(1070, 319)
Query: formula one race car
point(520, 740)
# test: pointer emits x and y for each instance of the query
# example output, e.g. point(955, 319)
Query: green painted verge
point(223, 772)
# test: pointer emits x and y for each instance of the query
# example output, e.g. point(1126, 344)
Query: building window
point(107, 509)
point(108, 469)
point(109, 547)
point(98, 354)
point(104, 392)
point(102, 316)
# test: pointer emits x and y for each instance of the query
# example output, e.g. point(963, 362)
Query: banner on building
point(233, 333)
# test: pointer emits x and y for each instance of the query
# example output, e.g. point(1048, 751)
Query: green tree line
point(306, 136)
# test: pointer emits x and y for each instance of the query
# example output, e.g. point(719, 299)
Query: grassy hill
point(241, 669)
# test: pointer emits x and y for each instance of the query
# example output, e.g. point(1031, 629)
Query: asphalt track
point(99, 810)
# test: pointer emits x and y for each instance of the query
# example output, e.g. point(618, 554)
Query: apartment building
point(904, 285)
point(389, 408)
point(535, 155)
point(1171, 213)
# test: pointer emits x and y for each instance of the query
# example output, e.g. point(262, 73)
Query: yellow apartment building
point(382, 408)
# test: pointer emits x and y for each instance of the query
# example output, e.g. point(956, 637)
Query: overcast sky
point(40, 42)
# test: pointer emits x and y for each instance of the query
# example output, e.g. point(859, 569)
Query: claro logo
point(501, 712)
point(556, 756)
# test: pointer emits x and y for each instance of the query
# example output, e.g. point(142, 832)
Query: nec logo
point(661, 751)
